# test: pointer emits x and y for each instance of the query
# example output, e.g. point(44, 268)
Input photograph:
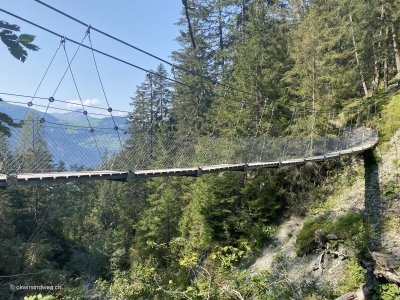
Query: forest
point(201, 238)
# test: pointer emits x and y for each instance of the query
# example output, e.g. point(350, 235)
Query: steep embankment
point(350, 237)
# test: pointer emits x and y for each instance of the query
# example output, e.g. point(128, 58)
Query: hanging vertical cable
point(102, 88)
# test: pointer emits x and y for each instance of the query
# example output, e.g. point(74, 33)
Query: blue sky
point(147, 24)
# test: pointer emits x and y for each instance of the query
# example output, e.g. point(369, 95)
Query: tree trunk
point(385, 71)
point(364, 85)
point(221, 37)
point(376, 79)
point(313, 108)
point(396, 49)
point(244, 15)
point(389, 276)
point(185, 4)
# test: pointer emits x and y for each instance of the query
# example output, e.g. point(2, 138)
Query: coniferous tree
point(5, 155)
point(258, 64)
point(31, 153)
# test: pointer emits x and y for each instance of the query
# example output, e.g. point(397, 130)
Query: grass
point(390, 118)
point(348, 227)
point(353, 278)
point(392, 190)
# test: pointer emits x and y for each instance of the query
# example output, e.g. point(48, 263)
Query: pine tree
point(151, 117)
point(5, 155)
point(258, 64)
point(31, 153)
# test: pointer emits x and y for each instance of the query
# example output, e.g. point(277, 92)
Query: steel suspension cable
point(267, 132)
point(141, 50)
point(80, 98)
point(51, 99)
point(258, 124)
point(313, 126)
point(284, 153)
point(108, 55)
point(61, 101)
point(43, 77)
point(104, 92)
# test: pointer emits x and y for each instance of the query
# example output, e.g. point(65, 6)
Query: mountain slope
point(365, 195)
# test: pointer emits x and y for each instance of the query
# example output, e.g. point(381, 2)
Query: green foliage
point(392, 190)
point(39, 297)
point(139, 283)
point(390, 118)
point(353, 277)
point(31, 151)
point(6, 122)
point(348, 227)
point(14, 43)
point(387, 291)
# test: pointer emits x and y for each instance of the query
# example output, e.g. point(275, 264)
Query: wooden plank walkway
point(9, 181)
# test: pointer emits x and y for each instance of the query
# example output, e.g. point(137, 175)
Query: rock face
point(386, 262)
point(321, 238)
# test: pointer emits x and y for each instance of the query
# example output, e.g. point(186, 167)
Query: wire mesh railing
point(39, 148)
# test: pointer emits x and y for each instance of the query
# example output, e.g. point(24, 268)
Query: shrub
point(348, 227)
point(353, 278)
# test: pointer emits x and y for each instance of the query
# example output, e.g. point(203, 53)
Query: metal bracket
point(11, 181)
point(131, 176)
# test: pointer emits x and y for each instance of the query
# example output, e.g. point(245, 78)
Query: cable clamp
point(11, 181)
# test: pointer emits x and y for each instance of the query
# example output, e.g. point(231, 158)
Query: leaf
point(26, 38)
point(9, 26)
point(13, 45)
point(31, 47)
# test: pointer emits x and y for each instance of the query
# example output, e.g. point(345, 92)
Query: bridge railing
point(36, 149)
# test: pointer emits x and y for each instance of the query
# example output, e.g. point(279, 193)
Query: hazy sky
point(147, 24)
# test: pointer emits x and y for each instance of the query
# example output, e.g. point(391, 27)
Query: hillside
point(360, 206)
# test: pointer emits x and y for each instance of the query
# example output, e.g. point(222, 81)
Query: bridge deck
point(54, 177)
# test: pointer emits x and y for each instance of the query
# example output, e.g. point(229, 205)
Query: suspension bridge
point(159, 156)
point(38, 148)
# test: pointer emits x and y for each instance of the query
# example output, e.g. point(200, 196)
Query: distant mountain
point(73, 145)
point(78, 118)
point(18, 112)
point(71, 117)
